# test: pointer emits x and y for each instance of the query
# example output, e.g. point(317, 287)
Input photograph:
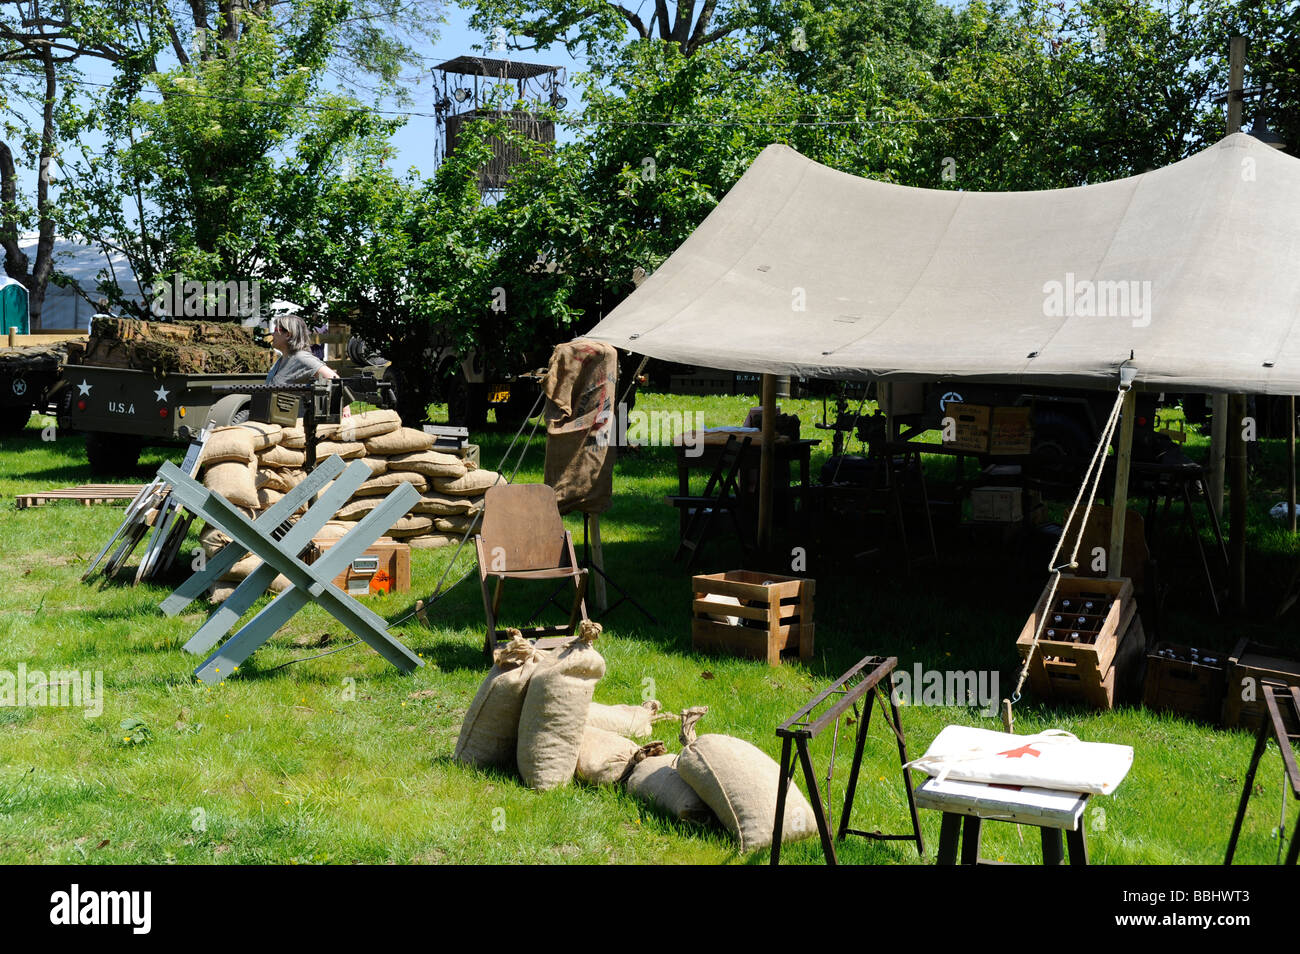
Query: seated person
point(296, 365)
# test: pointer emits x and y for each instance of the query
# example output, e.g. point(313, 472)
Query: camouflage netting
point(173, 347)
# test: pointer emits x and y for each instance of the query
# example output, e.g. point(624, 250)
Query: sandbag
point(475, 483)
point(384, 484)
point(227, 445)
point(490, 731)
point(554, 714)
point(265, 436)
point(333, 530)
point(431, 541)
point(739, 782)
point(266, 497)
point(234, 481)
point(410, 526)
point(271, 478)
point(404, 440)
point(606, 758)
point(213, 539)
point(295, 438)
point(281, 456)
point(377, 465)
point(356, 509)
point(633, 722)
point(430, 463)
point(347, 451)
point(362, 427)
point(657, 781)
point(456, 523)
point(445, 505)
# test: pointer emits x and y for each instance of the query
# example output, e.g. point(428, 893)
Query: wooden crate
point(1250, 665)
point(1177, 683)
point(972, 426)
point(1011, 432)
point(771, 615)
point(1084, 672)
point(384, 567)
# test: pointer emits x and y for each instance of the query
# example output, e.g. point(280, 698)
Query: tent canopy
point(1194, 269)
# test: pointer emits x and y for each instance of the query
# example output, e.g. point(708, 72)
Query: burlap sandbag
point(377, 465)
point(404, 440)
point(431, 541)
point(295, 437)
point(554, 715)
point(362, 427)
point(430, 463)
point(212, 539)
point(333, 530)
point(457, 523)
point(657, 781)
point(281, 456)
point(234, 481)
point(445, 505)
point(266, 497)
point(739, 782)
point(348, 451)
point(227, 445)
point(475, 483)
point(410, 526)
point(384, 484)
point(265, 436)
point(489, 734)
point(271, 478)
point(606, 758)
point(633, 722)
point(356, 509)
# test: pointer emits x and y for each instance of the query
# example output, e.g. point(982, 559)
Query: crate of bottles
point(1088, 621)
point(1187, 680)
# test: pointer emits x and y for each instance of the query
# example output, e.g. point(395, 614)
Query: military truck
point(28, 374)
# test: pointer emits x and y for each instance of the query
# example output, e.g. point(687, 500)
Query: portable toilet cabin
point(13, 307)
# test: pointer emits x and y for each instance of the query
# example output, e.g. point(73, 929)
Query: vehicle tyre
point(13, 420)
point(467, 404)
point(112, 455)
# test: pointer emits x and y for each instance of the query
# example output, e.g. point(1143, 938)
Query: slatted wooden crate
point(1250, 665)
point(1179, 683)
point(1084, 672)
point(751, 614)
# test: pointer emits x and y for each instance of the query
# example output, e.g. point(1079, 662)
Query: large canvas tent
point(1193, 269)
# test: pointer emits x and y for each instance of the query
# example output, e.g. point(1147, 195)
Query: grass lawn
point(342, 759)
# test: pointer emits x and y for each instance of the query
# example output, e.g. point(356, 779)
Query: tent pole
point(1290, 464)
point(766, 464)
point(1218, 441)
point(1119, 499)
point(1237, 508)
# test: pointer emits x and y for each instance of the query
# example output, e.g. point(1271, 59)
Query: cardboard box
point(1011, 432)
point(972, 430)
point(997, 504)
point(385, 567)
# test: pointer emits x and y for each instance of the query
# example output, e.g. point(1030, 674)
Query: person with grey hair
point(296, 365)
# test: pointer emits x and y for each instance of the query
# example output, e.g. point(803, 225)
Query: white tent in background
point(802, 270)
point(63, 307)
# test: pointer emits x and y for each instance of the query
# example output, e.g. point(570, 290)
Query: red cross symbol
point(1020, 752)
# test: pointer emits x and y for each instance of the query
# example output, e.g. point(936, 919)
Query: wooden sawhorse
point(279, 555)
point(1277, 697)
point(967, 805)
point(863, 679)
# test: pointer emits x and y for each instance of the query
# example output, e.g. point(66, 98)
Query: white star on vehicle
point(162, 393)
point(84, 388)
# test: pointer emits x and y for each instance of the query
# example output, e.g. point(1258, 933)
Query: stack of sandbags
point(451, 489)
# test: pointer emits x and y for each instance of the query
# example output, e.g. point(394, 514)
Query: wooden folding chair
point(523, 538)
point(721, 495)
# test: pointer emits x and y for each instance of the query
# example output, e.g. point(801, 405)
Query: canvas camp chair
point(523, 538)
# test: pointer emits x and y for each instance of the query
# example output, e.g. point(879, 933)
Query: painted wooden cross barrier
point(313, 582)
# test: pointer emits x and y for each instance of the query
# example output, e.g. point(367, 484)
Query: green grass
point(342, 759)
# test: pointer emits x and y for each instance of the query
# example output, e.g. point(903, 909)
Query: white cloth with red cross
point(1053, 759)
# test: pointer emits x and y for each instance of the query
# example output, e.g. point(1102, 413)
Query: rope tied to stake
point(1091, 481)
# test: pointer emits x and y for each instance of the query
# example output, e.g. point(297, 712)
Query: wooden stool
point(966, 805)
